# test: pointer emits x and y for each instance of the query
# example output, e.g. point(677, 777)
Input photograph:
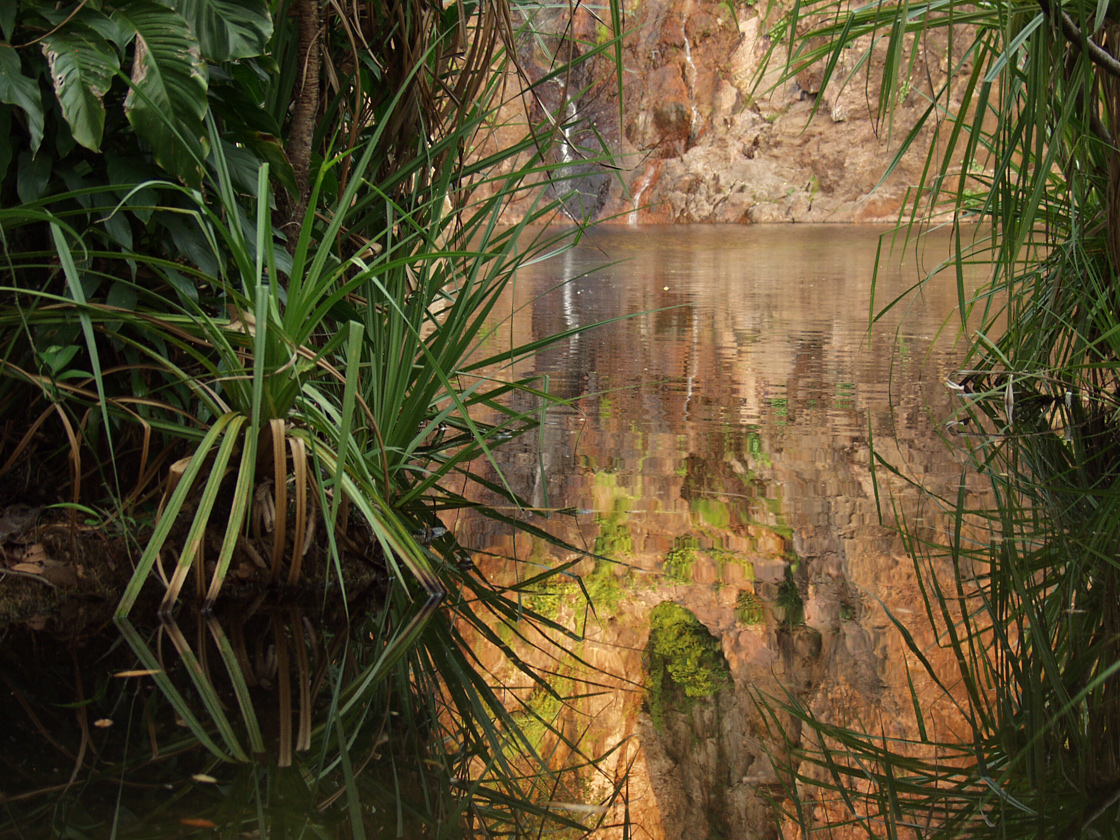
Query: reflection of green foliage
point(789, 599)
point(540, 715)
point(604, 588)
point(712, 512)
point(755, 450)
point(678, 562)
point(748, 609)
point(685, 660)
point(546, 600)
point(604, 591)
point(690, 655)
point(614, 539)
point(847, 612)
point(724, 558)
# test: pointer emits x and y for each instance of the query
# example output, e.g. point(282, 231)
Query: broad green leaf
point(7, 20)
point(228, 29)
point(168, 98)
point(85, 19)
point(33, 176)
point(109, 29)
point(82, 67)
point(125, 173)
point(16, 89)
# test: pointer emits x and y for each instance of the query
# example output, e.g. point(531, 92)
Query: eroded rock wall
point(707, 132)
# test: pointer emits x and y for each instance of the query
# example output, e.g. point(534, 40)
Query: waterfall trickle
point(566, 124)
point(641, 184)
point(690, 72)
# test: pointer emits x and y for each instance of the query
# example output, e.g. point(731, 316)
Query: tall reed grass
point(1020, 587)
point(293, 407)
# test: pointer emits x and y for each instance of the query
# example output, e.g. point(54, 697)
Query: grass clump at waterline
point(242, 318)
point(1021, 585)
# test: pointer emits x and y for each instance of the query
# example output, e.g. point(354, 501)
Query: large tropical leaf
point(228, 29)
point(167, 102)
point(82, 67)
point(16, 89)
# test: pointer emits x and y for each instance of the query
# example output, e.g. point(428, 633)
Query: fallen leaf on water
point(198, 822)
point(103, 723)
point(202, 777)
point(141, 672)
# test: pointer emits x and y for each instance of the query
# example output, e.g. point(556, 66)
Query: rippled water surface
point(707, 453)
point(717, 445)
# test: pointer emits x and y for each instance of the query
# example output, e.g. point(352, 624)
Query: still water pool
point(708, 471)
point(717, 448)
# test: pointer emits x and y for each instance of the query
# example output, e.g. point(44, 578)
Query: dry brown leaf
point(35, 553)
point(28, 568)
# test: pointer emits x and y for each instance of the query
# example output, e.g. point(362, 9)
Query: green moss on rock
point(685, 661)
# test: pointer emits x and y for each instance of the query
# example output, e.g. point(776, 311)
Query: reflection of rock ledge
point(726, 427)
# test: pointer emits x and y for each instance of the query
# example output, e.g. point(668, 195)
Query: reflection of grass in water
point(614, 539)
point(712, 512)
point(748, 608)
point(601, 588)
point(756, 451)
point(540, 716)
point(685, 661)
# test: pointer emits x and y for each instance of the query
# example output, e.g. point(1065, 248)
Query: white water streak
point(567, 124)
point(640, 186)
point(693, 360)
point(690, 72)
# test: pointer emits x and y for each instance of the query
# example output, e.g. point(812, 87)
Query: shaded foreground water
point(716, 451)
point(714, 456)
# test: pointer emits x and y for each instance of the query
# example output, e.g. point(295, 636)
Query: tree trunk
point(305, 110)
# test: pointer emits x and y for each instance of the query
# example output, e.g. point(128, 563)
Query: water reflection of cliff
point(717, 438)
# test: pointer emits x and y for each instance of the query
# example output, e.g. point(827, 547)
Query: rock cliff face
point(706, 135)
